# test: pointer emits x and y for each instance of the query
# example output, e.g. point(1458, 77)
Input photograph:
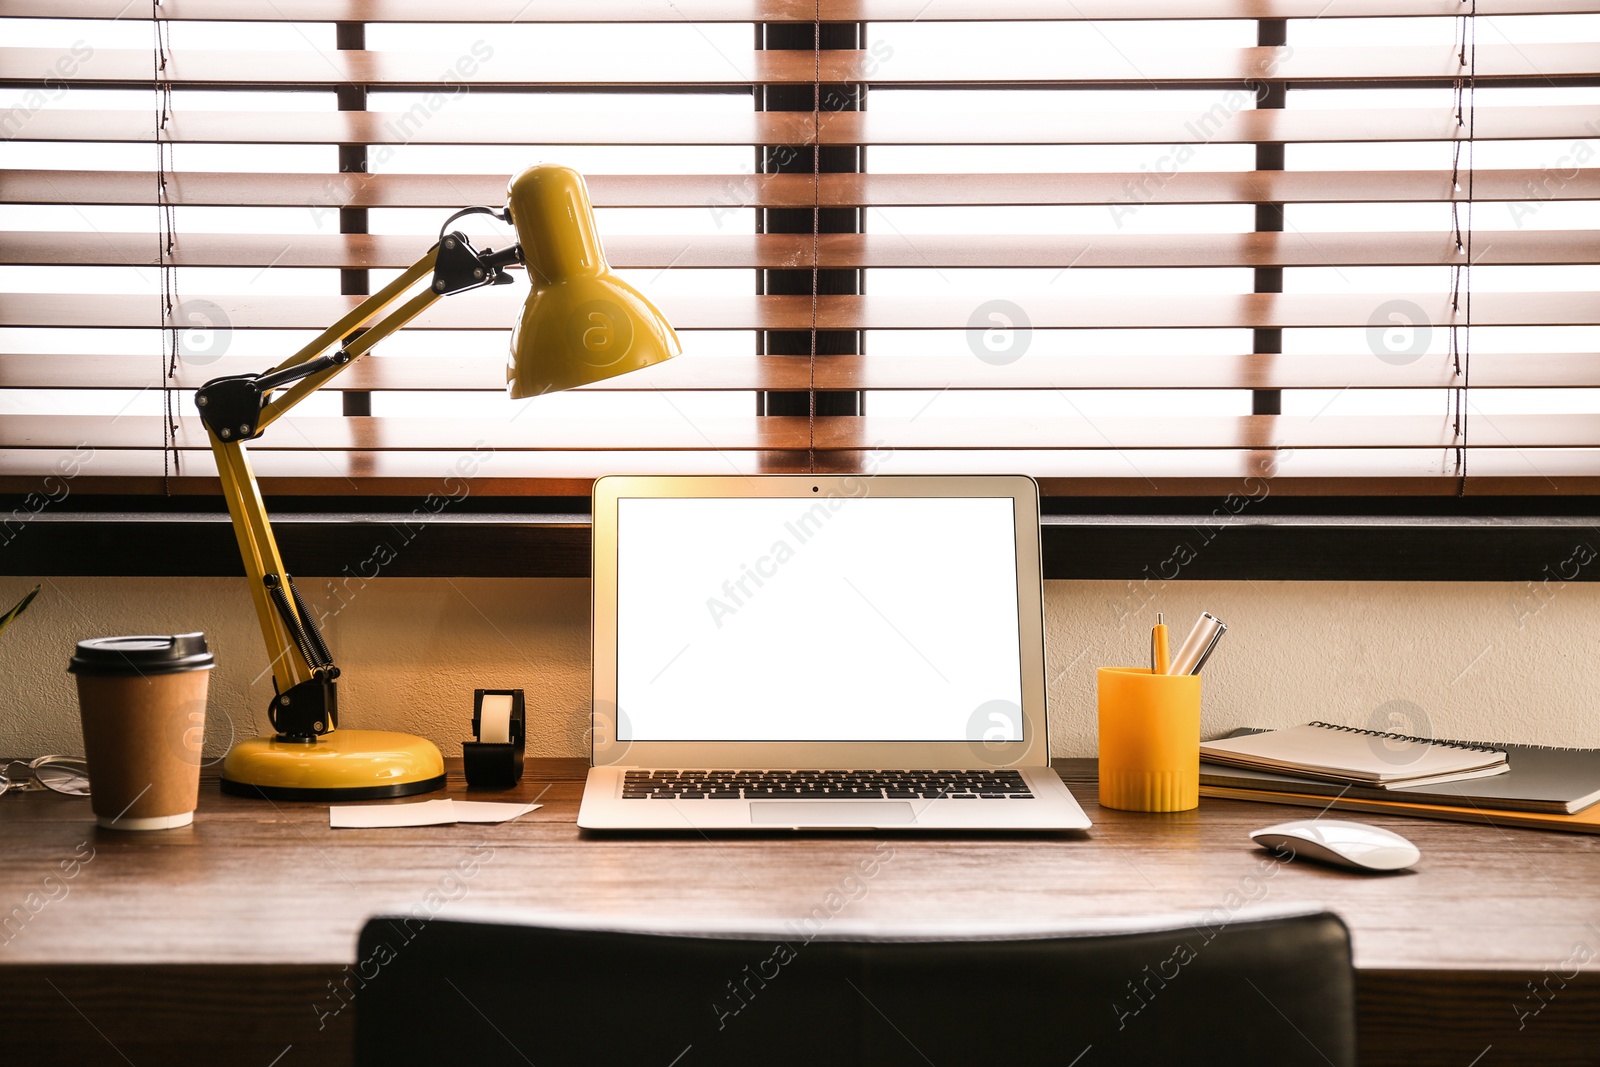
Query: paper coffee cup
point(143, 703)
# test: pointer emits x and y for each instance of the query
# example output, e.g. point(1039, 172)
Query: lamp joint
point(460, 267)
point(230, 407)
point(305, 711)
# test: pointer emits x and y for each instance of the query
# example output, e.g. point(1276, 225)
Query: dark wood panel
point(837, 250)
point(724, 192)
point(90, 1015)
point(495, 310)
point(1445, 1019)
point(424, 543)
point(1232, 540)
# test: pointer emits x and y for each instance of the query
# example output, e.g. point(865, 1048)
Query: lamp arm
point(239, 408)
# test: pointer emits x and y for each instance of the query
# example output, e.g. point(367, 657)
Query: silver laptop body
point(820, 652)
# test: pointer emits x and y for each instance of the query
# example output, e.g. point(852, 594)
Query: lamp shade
point(581, 323)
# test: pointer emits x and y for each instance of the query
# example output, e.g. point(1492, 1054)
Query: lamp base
point(344, 765)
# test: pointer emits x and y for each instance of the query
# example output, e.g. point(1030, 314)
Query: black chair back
point(1275, 991)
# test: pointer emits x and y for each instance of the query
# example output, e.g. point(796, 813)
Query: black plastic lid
point(141, 655)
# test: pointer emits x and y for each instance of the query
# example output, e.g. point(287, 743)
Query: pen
point(1198, 646)
point(1159, 655)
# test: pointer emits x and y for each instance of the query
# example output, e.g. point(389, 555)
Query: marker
point(1216, 638)
point(1198, 646)
point(1159, 654)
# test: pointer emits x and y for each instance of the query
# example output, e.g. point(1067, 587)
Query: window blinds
point(1130, 247)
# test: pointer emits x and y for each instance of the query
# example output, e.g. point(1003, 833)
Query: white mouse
point(1354, 845)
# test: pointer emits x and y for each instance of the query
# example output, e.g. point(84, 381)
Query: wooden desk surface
point(237, 924)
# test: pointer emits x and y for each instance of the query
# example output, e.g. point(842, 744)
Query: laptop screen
point(829, 619)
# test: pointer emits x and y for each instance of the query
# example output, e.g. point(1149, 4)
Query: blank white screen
point(825, 619)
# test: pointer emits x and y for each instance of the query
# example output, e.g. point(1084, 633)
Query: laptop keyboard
point(824, 785)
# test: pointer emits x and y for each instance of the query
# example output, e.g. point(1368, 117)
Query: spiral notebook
point(1558, 781)
point(1465, 809)
point(1346, 754)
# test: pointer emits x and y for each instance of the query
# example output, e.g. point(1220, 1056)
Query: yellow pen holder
point(1149, 740)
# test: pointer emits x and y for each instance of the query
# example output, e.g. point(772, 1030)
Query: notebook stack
point(1363, 770)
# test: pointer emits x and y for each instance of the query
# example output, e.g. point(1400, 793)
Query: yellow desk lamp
point(580, 324)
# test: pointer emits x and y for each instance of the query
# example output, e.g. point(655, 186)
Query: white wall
point(1498, 661)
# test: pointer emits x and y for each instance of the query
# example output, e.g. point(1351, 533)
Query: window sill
point(1151, 549)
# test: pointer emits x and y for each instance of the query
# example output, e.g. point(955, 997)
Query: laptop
point(799, 652)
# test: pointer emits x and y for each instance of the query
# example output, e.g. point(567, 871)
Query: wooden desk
point(225, 942)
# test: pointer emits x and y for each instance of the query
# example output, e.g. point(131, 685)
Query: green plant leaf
point(22, 605)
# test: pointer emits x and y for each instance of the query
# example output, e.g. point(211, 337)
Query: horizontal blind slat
point(832, 433)
point(1123, 10)
point(672, 11)
point(43, 472)
point(493, 310)
point(1258, 370)
point(1178, 433)
point(379, 372)
point(1214, 474)
point(722, 192)
point(788, 251)
point(518, 69)
point(427, 11)
point(1349, 472)
point(383, 433)
point(400, 128)
point(1216, 126)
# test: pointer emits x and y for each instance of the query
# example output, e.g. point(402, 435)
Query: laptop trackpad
point(805, 813)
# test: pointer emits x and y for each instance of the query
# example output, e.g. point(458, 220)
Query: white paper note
point(489, 810)
point(423, 813)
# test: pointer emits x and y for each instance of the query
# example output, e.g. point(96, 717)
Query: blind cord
point(171, 461)
point(1461, 273)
